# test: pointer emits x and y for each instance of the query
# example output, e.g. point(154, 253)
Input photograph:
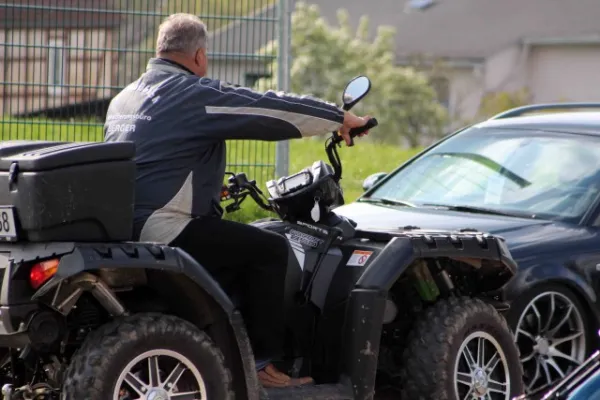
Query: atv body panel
point(19, 303)
point(338, 288)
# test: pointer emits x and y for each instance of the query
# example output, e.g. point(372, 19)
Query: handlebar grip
point(372, 123)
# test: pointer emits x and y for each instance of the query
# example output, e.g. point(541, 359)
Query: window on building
point(56, 66)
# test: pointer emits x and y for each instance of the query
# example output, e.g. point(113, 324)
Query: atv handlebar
point(238, 189)
point(354, 132)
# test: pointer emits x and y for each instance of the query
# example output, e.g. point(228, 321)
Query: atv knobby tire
point(429, 360)
point(104, 354)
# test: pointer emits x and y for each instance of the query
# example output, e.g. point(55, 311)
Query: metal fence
point(61, 61)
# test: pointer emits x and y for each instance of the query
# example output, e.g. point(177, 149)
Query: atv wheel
point(147, 356)
point(461, 348)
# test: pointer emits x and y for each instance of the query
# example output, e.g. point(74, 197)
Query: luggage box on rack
point(66, 191)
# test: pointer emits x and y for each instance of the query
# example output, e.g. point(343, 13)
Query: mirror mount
point(372, 179)
point(355, 90)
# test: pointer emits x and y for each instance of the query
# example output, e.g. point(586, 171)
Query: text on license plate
point(8, 228)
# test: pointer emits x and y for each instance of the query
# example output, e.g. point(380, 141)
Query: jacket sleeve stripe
point(307, 125)
point(276, 100)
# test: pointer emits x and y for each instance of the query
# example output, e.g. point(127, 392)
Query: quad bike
point(88, 314)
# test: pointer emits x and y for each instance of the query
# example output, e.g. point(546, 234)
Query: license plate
point(8, 227)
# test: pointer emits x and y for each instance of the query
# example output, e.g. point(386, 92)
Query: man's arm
point(242, 113)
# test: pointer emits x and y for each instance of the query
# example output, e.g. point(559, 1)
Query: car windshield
point(526, 173)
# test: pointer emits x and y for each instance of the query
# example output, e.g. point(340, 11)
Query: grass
point(255, 158)
point(358, 162)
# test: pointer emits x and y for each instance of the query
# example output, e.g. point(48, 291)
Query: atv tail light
point(41, 272)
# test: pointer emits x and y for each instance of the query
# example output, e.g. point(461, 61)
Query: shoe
point(271, 377)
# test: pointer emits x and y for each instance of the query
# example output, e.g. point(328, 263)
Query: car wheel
point(552, 332)
point(147, 356)
point(461, 348)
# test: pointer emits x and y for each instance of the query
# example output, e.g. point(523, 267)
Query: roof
point(245, 37)
point(18, 14)
point(584, 122)
point(471, 29)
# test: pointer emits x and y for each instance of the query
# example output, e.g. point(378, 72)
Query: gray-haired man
point(179, 121)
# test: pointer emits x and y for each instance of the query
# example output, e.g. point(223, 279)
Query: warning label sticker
point(359, 258)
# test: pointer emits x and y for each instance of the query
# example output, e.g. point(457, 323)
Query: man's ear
point(200, 56)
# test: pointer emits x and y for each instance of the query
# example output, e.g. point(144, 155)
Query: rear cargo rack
point(520, 111)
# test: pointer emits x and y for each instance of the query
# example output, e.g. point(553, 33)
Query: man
point(179, 121)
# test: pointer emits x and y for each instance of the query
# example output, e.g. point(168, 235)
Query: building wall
point(240, 72)
point(26, 72)
point(550, 73)
point(564, 73)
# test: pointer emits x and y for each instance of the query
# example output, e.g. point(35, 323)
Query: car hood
point(518, 232)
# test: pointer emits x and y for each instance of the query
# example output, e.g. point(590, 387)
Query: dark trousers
point(251, 263)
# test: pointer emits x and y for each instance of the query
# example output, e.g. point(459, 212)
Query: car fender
point(553, 272)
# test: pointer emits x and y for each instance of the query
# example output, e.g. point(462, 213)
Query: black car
point(534, 179)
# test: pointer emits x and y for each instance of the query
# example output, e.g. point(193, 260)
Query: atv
point(86, 313)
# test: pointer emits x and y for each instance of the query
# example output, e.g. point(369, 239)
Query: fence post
point(284, 26)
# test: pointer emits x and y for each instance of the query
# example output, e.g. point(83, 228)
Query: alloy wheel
point(160, 375)
point(481, 369)
point(551, 337)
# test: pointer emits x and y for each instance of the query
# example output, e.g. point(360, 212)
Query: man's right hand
point(352, 121)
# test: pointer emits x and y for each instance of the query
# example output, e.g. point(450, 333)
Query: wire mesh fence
point(61, 62)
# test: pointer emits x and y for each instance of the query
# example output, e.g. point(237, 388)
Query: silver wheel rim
point(160, 375)
point(481, 369)
point(551, 338)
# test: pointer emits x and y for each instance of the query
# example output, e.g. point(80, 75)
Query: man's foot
point(271, 377)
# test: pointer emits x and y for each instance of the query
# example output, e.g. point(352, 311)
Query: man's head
point(182, 38)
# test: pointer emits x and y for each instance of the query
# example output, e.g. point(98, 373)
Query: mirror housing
point(355, 90)
point(371, 180)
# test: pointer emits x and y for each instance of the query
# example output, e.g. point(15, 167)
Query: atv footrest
point(311, 392)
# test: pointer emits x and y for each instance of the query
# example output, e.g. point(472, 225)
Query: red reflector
point(41, 272)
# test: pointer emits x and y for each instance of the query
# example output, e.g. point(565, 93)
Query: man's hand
point(352, 121)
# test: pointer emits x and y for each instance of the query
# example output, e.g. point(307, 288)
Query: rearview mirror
point(371, 180)
point(356, 89)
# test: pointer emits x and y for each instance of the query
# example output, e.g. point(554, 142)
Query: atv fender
point(367, 301)
point(405, 248)
point(89, 257)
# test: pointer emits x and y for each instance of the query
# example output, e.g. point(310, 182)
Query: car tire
point(122, 354)
point(523, 320)
point(435, 359)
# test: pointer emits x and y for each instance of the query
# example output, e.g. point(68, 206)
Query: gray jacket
point(179, 123)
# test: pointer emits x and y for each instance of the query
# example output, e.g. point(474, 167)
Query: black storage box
point(66, 191)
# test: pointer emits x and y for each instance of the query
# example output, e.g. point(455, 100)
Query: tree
point(494, 103)
point(325, 58)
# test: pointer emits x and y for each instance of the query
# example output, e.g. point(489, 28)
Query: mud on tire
point(106, 352)
point(435, 352)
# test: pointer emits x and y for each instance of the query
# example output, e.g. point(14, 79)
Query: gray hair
point(182, 33)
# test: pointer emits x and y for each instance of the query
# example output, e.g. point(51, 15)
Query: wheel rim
point(481, 369)
point(160, 375)
point(551, 338)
